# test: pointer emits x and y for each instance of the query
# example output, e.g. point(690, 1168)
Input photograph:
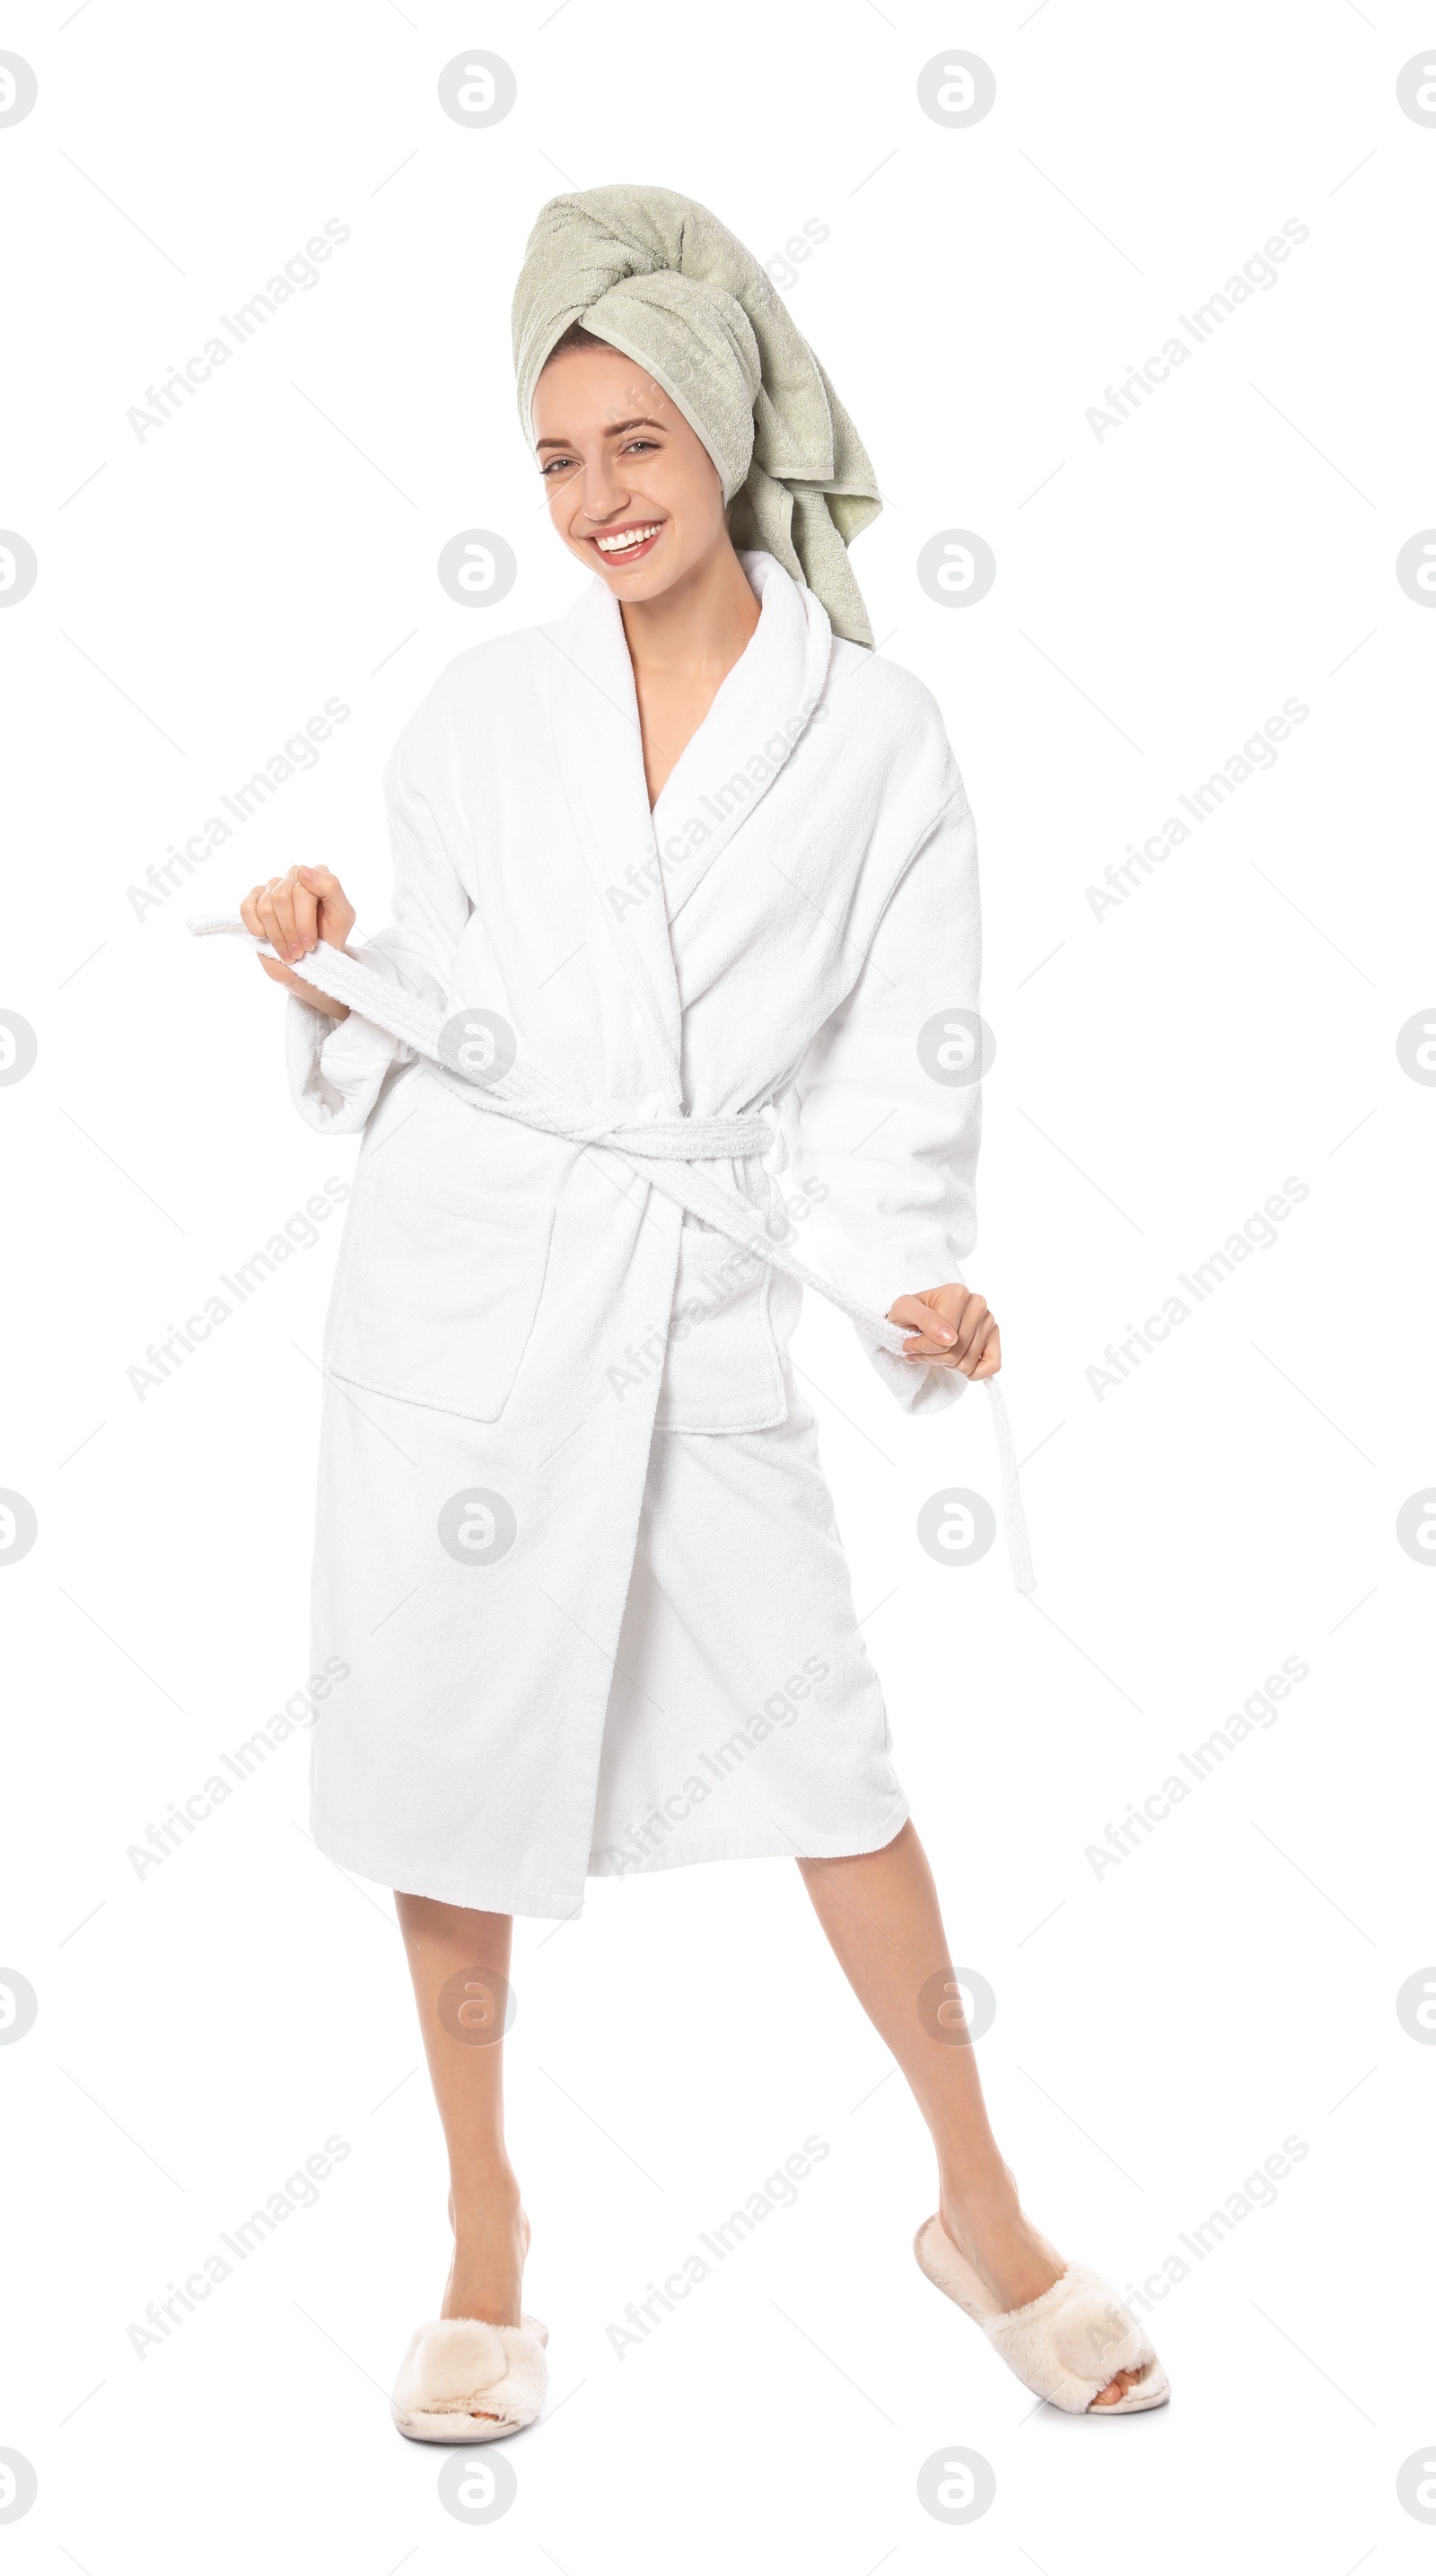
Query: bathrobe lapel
point(644, 866)
point(597, 752)
point(761, 712)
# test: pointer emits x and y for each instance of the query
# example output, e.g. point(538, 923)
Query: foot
point(1011, 2258)
point(1014, 2263)
point(486, 2275)
point(1118, 2387)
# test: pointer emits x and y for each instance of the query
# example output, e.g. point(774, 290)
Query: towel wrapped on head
point(658, 277)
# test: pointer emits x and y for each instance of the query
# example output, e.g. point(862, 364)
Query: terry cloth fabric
point(744, 1719)
point(668, 1153)
point(657, 276)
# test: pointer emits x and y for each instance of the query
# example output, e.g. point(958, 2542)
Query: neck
point(700, 624)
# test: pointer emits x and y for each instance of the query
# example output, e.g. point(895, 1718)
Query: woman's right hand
point(293, 912)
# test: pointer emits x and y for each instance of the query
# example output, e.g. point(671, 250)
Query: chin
point(645, 581)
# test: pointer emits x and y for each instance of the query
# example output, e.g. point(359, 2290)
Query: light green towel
point(661, 279)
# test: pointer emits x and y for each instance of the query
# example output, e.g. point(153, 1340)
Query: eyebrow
point(617, 430)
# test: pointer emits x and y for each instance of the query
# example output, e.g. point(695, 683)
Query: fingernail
point(943, 1333)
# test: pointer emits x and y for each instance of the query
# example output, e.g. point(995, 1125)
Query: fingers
point(285, 912)
point(306, 914)
point(336, 912)
point(972, 1329)
point(935, 1335)
point(953, 1327)
point(937, 1354)
point(990, 1360)
point(294, 912)
point(267, 913)
point(257, 914)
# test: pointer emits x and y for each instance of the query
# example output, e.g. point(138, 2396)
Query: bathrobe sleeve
point(336, 1070)
point(890, 1145)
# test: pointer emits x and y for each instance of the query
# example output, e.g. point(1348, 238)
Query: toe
point(1117, 2388)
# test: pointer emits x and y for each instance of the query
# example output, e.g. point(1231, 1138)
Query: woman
point(681, 882)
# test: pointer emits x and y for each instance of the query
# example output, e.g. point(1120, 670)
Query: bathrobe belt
point(667, 1152)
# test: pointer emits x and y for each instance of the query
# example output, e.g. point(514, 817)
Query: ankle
point(982, 2194)
point(484, 2208)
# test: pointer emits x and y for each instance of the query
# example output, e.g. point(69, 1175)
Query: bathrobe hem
point(441, 1889)
point(553, 1910)
point(718, 1847)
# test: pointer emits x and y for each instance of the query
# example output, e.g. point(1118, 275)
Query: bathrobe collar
point(760, 713)
point(596, 755)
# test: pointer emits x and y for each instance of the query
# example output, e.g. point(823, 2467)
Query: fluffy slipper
point(464, 2381)
point(1064, 2346)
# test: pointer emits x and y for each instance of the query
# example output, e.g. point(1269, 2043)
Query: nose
point(605, 495)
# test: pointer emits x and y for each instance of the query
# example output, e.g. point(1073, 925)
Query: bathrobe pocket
point(438, 1293)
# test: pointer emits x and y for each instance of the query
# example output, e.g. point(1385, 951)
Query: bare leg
point(451, 1948)
point(880, 1912)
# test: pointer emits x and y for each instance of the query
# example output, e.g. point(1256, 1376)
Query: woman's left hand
point(952, 1328)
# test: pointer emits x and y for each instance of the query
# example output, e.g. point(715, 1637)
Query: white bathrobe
point(574, 1542)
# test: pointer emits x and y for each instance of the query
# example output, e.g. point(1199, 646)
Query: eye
point(640, 446)
point(557, 465)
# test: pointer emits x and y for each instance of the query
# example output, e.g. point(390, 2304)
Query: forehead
point(584, 392)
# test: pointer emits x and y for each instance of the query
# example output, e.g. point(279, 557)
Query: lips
point(627, 545)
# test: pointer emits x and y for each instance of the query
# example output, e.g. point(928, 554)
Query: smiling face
point(632, 490)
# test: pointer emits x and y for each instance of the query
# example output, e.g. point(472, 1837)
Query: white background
point(1161, 1070)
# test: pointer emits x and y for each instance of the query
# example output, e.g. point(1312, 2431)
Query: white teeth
point(625, 543)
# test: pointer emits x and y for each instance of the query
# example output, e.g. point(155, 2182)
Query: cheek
point(563, 510)
point(696, 510)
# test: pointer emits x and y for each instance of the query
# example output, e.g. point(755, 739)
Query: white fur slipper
point(1064, 2346)
point(464, 2381)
